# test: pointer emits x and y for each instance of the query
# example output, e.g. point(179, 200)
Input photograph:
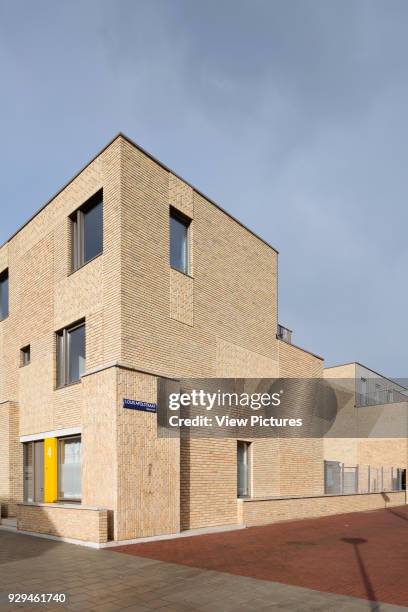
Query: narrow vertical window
point(25, 356)
point(71, 356)
point(378, 393)
point(69, 468)
point(87, 231)
point(28, 472)
point(179, 241)
point(4, 295)
point(363, 392)
point(243, 469)
point(34, 471)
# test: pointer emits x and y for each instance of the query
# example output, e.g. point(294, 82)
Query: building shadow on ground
point(17, 547)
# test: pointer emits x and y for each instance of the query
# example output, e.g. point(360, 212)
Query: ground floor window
point(69, 468)
point(34, 471)
point(243, 469)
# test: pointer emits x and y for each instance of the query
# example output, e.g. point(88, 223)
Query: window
point(69, 468)
point(4, 295)
point(243, 469)
point(25, 355)
point(378, 392)
point(363, 392)
point(70, 354)
point(87, 231)
point(34, 471)
point(179, 241)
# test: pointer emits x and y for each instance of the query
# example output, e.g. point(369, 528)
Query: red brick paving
point(363, 554)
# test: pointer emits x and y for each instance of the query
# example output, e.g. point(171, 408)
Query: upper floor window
point(70, 354)
point(363, 392)
point(4, 295)
point(179, 241)
point(87, 231)
point(25, 356)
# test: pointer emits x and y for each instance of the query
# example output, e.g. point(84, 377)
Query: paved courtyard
point(363, 554)
point(105, 580)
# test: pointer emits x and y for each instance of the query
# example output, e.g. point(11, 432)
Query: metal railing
point(284, 333)
point(370, 392)
point(341, 479)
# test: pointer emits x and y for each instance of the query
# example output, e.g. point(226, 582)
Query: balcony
point(284, 333)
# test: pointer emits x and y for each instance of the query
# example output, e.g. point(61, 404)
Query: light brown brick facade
point(144, 320)
point(76, 523)
point(374, 452)
point(262, 512)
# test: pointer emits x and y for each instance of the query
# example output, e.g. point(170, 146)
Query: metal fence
point(341, 479)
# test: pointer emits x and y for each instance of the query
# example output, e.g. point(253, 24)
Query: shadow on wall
point(69, 521)
point(185, 483)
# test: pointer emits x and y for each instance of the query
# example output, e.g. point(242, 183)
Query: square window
point(70, 354)
point(87, 231)
point(179, 241)
point(25, 355)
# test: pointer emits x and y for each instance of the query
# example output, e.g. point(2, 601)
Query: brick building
point(126, 275)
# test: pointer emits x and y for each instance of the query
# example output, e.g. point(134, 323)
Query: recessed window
point(69, 468)
point(87, 231)
point(243, 469)
point(363, 392)
point(4, 295)
point(34, 471)
point(25, 355)
point(179, 241)
point(70, 354)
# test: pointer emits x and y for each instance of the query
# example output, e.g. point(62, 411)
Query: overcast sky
point(290, 114)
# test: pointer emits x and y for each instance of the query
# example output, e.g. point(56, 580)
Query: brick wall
point(218, 321)
point(11, 465)
point(45, 296)
point(99, 442)
point(75, 522)
point(172, 323)
point(376, 452)
point(262, 512)
point(301, 460)
point(148, 467)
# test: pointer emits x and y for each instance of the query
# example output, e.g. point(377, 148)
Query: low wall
point(263, 511)
point(64, 520)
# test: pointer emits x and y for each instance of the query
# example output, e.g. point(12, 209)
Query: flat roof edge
point(157, 161)
point(340, 365)
point(300, 348)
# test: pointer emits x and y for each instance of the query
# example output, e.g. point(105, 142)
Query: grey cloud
point(290, 114)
